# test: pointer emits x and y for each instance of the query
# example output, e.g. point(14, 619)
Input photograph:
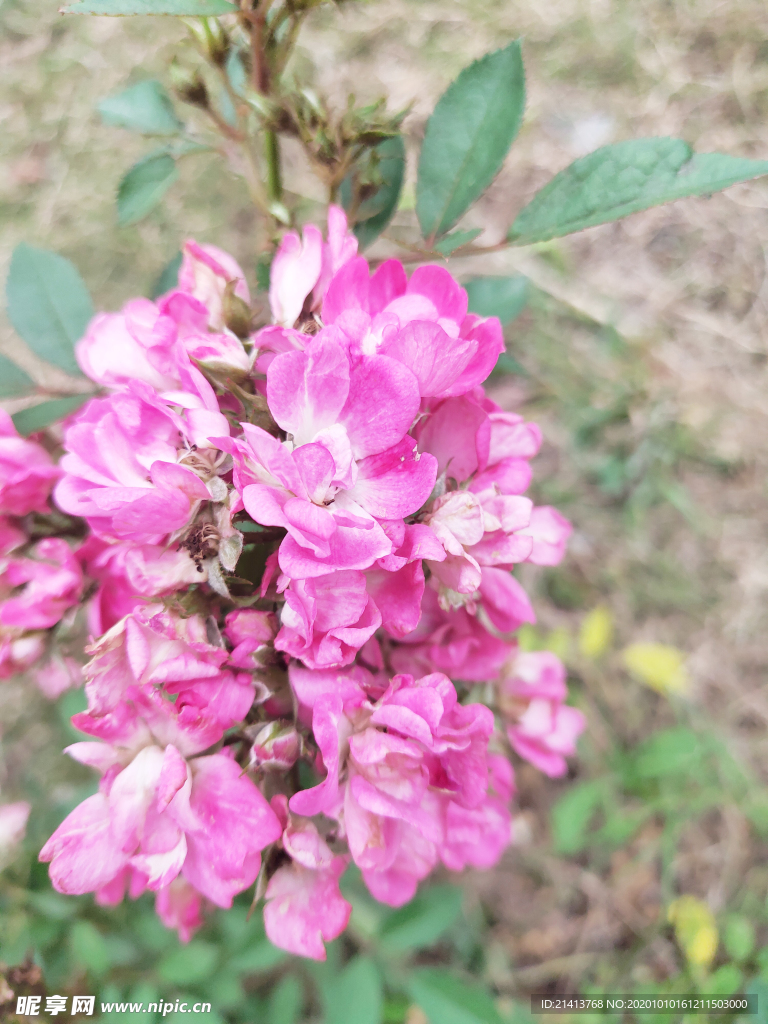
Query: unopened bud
point(276, 747)
point(188, 85)
point(235, 311)
point(211, 37)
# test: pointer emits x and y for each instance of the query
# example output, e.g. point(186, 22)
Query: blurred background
point(643, 352)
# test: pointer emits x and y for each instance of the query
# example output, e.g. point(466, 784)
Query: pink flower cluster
point(300, 548)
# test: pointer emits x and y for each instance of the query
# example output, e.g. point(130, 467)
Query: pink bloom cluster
point(300, 548)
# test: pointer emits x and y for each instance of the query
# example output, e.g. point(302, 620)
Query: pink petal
point(457, 433)
point(382, 405)
point(395, 483)
point(307, 390)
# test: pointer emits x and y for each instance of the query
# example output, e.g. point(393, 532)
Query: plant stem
point(272, 160)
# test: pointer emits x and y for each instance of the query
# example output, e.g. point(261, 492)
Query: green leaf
point(447, 999)
point(504, 297)
point(48, 304)
point(757, 987)
point(739, 937)
point(285, 1001)
point(88, 948)
point(261, 956)
point(467, 137)
point(355, 995)
point(168, 278)
point(572, 814)
point(422, 921)
point(145, 107)
point(144, 186)
point(455, 241)
point(181, 8)
point(725, 981)
point(392, 169)
point(670, 752)
point(624, 178)
point(13, 380)
point(38, 417)
point(194, 962)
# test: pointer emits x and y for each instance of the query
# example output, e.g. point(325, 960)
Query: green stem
point(272, 160)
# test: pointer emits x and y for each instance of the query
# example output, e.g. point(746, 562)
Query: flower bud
point(276, 747)
point(188, 85)
point(236, 312)
point(211, 37)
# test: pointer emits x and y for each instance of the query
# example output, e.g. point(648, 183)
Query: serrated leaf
point(355, 995)
point(168, 277)
point(144, 186)
point(455, 241)
point(38, 417)
point(624, 178)
point(13, 380)
point(467, 138)
point(384, 202)
point(504, 297)
point(446, 999)
point(572, 814)
point(145, 107)
point(422, 921)
point(48, 304)
point(180, 8)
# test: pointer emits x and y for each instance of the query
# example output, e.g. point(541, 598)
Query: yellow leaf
point(658, 666)
point(596, 632)
point(695, 929)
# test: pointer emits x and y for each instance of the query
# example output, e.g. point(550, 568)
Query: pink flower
point(13, 825)
point(276, 746)
point(422, 323)
point(478, 530)
point(19, 651)
point(205, 273)
point(303, 903)
point(128, 574)
point(304, 907)
point(479, 835)
point(454, 642)
point(57, 675)
point(304, 266)
point(549, 531)
point(153, 648)
point(127, 473)
point(349, 466)
point(52, 582)
point(326, 620)
point(11, 536)
point(543, 729)
point(153, 343)
point(135, 344)
point(390, 787)
point(161, 816)
point(179, 905)
point(27, 472)
point(249, 632)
